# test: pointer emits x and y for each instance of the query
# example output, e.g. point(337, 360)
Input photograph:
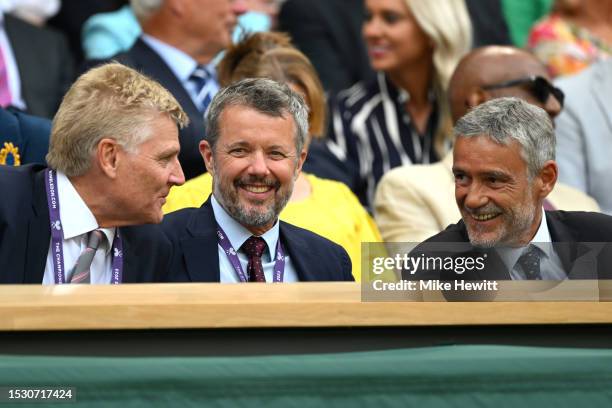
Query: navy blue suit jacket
point(144, 59)
point(30, 134)
point(25, 233)
point(193, 233)
point(571, 231)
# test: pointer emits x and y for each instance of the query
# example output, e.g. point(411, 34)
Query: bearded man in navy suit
point(255, 150)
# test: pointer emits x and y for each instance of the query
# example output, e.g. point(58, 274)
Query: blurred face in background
point(394, 39)
point(212, 21)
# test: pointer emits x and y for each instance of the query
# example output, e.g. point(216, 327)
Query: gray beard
point(230, 202)
point(511, 233)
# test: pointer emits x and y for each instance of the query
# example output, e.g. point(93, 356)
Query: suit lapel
point(39, 233)
point(200, 252)
point(305, 263)
point(567, 249)
point(129, 272)
point(147, 60)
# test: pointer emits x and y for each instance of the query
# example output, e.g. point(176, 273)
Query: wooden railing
point(152, 306)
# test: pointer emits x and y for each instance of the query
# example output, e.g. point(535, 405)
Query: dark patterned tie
point(530, 262)
point(81, 273)
point(200, 77)
point(254, 247)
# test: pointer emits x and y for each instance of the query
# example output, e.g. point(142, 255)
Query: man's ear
point(176, 7)
point(108, 156)
point(301, 160)
point(207, 154)
point(547, 178)
point(475, 97)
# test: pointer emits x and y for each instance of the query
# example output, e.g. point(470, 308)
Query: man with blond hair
point(112, 160)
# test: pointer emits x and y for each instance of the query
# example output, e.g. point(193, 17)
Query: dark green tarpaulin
point(450, 376)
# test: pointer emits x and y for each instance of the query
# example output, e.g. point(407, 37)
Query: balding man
point(179, 42)
point(415, 202)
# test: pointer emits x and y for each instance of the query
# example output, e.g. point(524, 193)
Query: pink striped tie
point(5, 92)
point(81, 269)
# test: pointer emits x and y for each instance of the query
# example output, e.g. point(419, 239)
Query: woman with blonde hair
point(402, 117)
point(323, 206)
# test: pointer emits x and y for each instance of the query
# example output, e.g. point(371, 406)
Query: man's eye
point(460, 178)
point(238, 151)
point(276, 155)
point(494, 181)
point(164, 160)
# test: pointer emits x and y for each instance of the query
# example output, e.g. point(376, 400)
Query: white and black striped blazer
point(372, 133)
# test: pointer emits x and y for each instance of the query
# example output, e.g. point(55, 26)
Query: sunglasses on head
point(539, 86)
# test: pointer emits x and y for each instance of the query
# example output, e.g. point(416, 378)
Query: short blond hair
point(109, 101)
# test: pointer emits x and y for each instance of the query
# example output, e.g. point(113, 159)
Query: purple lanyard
point(57, 249)
point(279, 265)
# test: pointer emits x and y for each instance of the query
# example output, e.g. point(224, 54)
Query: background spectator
point(177, 48)
point(576, 34)
point(36, 67)
point(329, 33)
point(584, 133)
point(402, 116)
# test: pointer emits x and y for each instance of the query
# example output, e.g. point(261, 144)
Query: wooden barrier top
point(212, 305)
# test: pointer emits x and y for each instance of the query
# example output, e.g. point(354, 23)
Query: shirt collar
point(238, 234)
point(77, 219)
point(180, 63)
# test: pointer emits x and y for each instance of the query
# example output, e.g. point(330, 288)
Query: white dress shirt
point(237, 235)
point(77, 221)
point(551, 267)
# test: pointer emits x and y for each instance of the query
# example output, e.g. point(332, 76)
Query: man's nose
point(475, 196)
point(259, 164)
point(177, 177)
point(239, 7)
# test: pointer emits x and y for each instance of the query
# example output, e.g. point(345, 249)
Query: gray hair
point(265, 96)
point(507, 119)
point(144, 8)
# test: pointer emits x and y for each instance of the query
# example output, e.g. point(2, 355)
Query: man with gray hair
point(113, 157)
point(255, 150)
point(504, 167)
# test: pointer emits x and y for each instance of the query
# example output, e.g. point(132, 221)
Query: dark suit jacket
point(571, 231)
point(329, 33)
point(45, 65)
point(25, 233)
point(144, 59)
point(193, 233)
point(29, 134)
